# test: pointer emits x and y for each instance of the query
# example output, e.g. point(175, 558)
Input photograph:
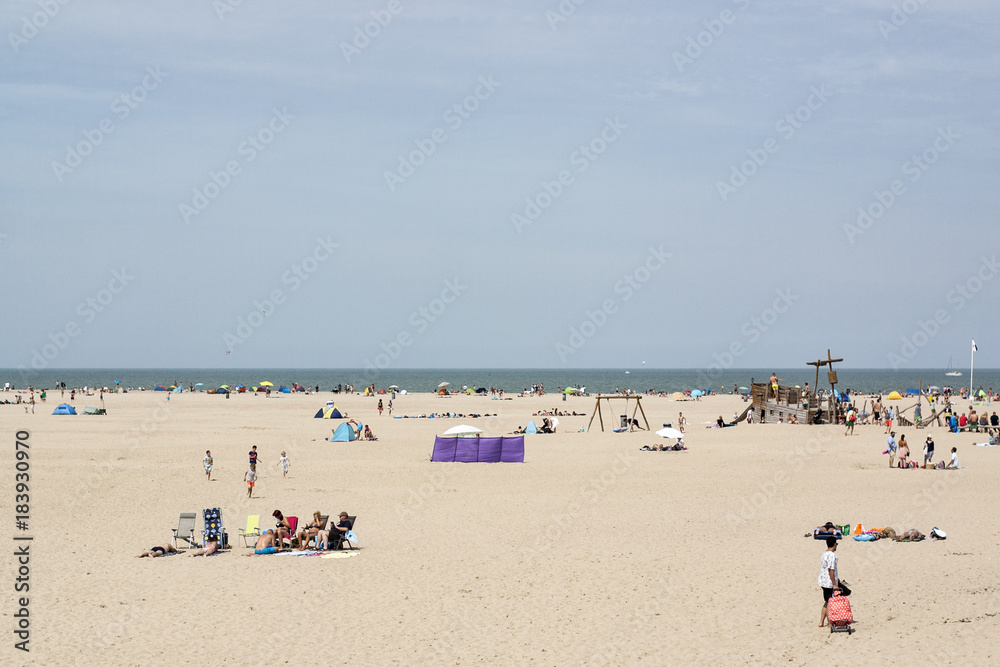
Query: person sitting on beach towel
point(368, 434)
point(266, 543)
point(953, 464)
point(161, 550)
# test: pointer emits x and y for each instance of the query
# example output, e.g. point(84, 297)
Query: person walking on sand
point(891, 447)
point(208, 464)
point(389, 407)
point(890, 414)
point(829, 577)
point(681, 422)
point(852, 417)
point(250, 478)
point(380, 407)
point(253, 455)
point(283, 462)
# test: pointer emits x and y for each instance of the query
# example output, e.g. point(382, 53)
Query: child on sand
point(250, 478)
point(283, 462)
point(253, 455)
point(208, 464)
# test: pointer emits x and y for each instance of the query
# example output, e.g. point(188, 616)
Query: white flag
point(974, 348)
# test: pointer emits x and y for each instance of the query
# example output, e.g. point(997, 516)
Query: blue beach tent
point(345, 433)
point(64, 409)
point(531, 428)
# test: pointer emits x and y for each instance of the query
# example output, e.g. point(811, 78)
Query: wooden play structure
point(806, 407)
point(631, 420)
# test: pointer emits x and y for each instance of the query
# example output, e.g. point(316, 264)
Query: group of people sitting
point(555, 412)
point(272, 540)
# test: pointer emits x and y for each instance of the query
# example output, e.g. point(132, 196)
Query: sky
point(575, 184)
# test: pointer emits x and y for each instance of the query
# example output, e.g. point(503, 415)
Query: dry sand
point(591, 552)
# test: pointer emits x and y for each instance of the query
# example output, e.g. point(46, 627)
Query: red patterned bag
point(838, 610)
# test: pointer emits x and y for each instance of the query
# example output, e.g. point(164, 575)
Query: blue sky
point(476, 184)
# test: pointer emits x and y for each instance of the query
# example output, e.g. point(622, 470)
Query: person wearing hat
point(929, 452)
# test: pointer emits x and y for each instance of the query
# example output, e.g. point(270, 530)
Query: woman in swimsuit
point(161, 550)
point(310, 531)
point(281, 528)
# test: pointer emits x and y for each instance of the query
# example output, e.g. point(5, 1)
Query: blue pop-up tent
point(64, 409)
point(345, 433)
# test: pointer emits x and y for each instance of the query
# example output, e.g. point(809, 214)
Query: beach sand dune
point(591, 552)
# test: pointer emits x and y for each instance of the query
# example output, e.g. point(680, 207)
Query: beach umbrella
point(745, 388)
point(571, 390)
point(443, 384)
point(678, 396)
point(199, 384)
point(265, 383)
point(463, 429)
point(223, 386)
point(669, 433)
point(934, 387)
point(696, 393)
point(392, 386)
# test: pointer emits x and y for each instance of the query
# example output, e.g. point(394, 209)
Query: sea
point(511, 380)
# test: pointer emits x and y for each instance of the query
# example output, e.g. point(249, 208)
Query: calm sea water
point(510, 380)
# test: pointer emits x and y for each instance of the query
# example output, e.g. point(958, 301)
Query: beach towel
point(867, 537)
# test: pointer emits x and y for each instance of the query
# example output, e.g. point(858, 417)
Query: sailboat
point(951, 372)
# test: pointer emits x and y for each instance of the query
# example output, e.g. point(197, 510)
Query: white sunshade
point(463, 429)
point(669, 433)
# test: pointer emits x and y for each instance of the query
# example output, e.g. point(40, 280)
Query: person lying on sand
point(210, 548)
point(161, 550)
point(912, 535)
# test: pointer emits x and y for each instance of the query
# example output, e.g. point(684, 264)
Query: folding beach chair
point(252, 530)
point(214, 529)
point(293, 524)
point(185, 529)
point(338, 540)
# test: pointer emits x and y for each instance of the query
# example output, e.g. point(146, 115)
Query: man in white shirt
point(829, 578)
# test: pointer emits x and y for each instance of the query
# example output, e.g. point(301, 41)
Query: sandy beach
point(590, 552)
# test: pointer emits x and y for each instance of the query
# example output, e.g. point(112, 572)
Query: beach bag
point(889, 532)
point(938, 534)
point(838, 610)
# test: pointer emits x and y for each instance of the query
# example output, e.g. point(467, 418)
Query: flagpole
point(972, 369)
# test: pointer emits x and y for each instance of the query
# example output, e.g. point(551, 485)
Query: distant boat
point(950, 371)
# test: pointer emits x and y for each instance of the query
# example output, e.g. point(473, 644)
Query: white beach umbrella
point(669, 433)
point(443, 384)
point(463, 429)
